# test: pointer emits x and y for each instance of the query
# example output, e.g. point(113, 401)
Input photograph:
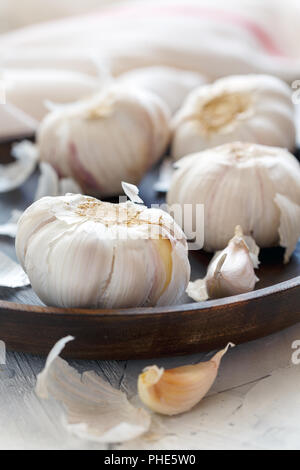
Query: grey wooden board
point(26, 422)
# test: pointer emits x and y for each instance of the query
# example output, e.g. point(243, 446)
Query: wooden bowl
point(149, 332)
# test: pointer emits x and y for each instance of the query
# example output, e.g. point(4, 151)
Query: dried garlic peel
point(13, 175)
point(49, 183)
point(93, 409)
point(9, 229)
point(11, 274)
point(174, 391)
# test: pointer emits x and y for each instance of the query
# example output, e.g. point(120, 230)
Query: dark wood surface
point(26, 325)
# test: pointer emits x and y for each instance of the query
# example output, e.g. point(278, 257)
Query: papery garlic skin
point(170, 84)
point(115, 136)
point(237, 183)
point(174, 391)
point(249, 108)
point(28, 89)
point(81, 252)
point(230, 272)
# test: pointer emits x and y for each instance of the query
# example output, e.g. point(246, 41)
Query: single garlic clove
point(174, 391)
point(230, 272)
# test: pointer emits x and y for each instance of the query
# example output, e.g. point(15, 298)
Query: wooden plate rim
point(153, 311)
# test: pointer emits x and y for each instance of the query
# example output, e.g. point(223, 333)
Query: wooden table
point(253, 404)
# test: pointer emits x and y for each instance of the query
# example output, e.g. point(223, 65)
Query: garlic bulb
point(114, 136)
point(80, 252)
point(240, 184)
point(230, 272)
point(174, 391)
point(170, 84)
point(250, 108)
point(29, 89)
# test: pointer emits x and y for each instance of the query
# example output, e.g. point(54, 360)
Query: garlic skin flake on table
point(174, 391)
point(230, 272)
point(94, 410)
point(115, 136)
point(81, 252)
point(239, 184)
point(248, 108)
point(170, 84)
point(11, 273)
point(13, 175)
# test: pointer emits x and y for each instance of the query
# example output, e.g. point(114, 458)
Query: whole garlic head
point(170, 84)
point(81, 252)
point(114, 136)
point(249, 108)
point(254, 186)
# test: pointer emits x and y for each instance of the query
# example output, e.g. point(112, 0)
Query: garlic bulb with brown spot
point(174, 391)
point(249, 108)
point(170, 84)
point(239, 184)
point(80, 252)
point(230, 272)
point(114, 136)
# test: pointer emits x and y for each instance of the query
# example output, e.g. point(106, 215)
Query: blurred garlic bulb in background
point(80, 252)
point(249, 108)
point(170, 84)
point(254, 186)
point(116, 135)
point(230, 272)
point(29, 89)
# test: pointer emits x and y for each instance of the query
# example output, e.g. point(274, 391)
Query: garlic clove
point(289, 228)
point(174, 391)
point(230, 271)
point(93, 409)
